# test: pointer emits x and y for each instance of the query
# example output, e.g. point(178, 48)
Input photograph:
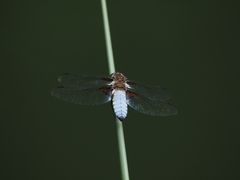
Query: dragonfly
point(117, 89)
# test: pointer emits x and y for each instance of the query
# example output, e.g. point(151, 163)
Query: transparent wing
point(82, 82)
point(85, 90)
point(154, 93)
point(151, 107)
point(84, 97)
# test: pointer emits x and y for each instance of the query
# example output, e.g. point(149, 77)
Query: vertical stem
point(122, 151)
point(111, 65)
point(120, 133)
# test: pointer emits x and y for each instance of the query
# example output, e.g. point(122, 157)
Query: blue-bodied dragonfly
point(95, 90)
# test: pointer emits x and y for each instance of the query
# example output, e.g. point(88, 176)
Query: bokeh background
point(189, 47)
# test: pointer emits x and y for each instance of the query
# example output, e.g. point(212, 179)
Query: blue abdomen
point(119, 102)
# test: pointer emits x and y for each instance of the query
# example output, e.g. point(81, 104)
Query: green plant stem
point(122, 151)
point(120, 133)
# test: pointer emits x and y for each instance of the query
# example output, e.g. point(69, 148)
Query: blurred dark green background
point(189, 47)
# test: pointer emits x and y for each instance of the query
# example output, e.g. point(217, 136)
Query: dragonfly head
point(119, 77)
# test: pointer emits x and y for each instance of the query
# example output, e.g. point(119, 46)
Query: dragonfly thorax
point(119, 81)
